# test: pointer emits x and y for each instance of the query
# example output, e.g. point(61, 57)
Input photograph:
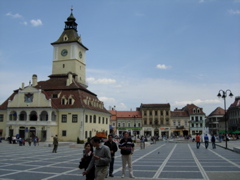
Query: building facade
point(214, 119)
point(130, 121)
point(234, 115)
point(156, 120)
point(179, 123)
point(62, 104)
point(196, 119)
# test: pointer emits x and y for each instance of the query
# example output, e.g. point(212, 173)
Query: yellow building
point(156, 120)
point(62, 104)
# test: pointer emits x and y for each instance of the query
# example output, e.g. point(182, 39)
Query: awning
point(223, 131)
point(236, 132)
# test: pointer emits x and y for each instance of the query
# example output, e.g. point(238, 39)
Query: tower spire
point(70, 23)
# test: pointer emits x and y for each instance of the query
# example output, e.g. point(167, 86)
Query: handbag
point(82, 164)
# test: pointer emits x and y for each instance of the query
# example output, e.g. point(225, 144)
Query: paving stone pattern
point(162, 160)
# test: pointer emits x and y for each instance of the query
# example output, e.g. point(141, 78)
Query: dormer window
point(70, 101)
point(63, 101)
point(54, 95)
point(198, 110)
point(65, 38)
point(194, 110)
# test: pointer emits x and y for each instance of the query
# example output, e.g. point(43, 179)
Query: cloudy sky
point(140, 51)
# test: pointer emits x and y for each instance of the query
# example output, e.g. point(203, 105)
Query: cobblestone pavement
point(162, 160)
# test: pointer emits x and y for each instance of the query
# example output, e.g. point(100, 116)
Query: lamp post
point(223, 94)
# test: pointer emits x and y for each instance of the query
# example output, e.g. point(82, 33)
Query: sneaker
point(131, 176)
point(111, 175)
point(123, 176)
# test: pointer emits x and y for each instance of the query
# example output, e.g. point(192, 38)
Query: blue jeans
point(213, 145)
point(198, 144)
point(111, 166)
point(206, 144)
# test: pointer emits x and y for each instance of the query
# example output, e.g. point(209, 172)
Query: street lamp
point(224, 95)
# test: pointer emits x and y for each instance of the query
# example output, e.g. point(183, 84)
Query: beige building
point(213, 121)
point(62, 104)
point(130, 121)
point(156, 119)
point(179, 123)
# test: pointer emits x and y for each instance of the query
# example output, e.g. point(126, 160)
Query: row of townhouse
point(216, 119)
point(158, 120)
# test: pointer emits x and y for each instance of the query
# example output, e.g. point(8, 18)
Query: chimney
point(34, 80)
point(69, 80)
point(22, 85)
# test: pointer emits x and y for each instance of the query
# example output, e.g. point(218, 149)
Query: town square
point(158, 80)
point(163, 160)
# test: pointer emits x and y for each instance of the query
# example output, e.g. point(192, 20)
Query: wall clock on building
point(64, 52)
point(80, 54)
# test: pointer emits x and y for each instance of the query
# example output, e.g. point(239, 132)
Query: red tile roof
point(57, 85)
point(155, 105)
point(179, 114)
point(236, 102)
point(217, 111)
point(113, 115)
point(126, 114)
point(190, 109)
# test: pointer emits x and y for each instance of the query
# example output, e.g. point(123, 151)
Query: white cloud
point(131, 92)
point(36, 22)
point(14, 15)
point(24, 23)
point(197, 102)
point(162, 66)
point(107, 99)
point(234, 12)
point(33, 22)
point(111, 102)
point(101, 81)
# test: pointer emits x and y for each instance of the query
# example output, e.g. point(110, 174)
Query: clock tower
point(69, 53)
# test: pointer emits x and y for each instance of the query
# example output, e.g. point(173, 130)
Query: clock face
point(64, 52)
point(80, 54)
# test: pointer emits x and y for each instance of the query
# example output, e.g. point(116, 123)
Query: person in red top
point(198, 139)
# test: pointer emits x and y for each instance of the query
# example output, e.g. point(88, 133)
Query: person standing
point(113, 148)
point(213, 140)
point(198, 140)
point(206, 140)
point(29, 140)
point(127, 148)
point(87, 156)
point(100, 159)
point(55, 144)
point(35, 140)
